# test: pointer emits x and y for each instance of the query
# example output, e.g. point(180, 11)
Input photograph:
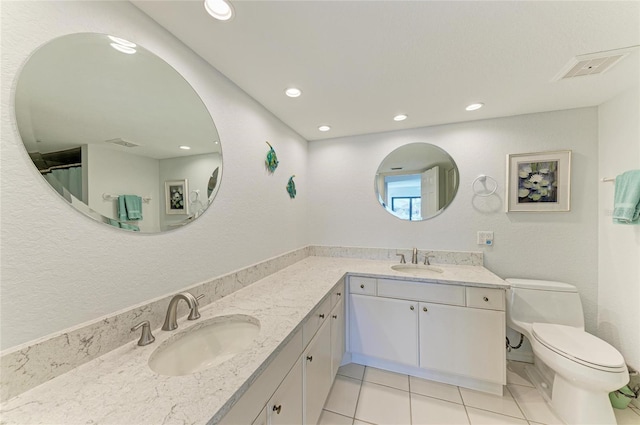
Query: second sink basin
point(417, 269)
point(204, 345)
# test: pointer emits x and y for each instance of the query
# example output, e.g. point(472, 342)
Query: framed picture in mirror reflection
point(176, 192)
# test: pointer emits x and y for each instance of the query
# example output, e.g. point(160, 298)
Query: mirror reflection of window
point(404, 196)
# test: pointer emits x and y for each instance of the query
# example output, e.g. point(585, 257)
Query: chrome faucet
point(414, 256)
point(171, 321)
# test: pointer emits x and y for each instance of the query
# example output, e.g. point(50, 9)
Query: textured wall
point(559, 246)
point(619, 245)
point(60, 268)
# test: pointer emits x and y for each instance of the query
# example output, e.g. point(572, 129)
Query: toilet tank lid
point(541, 285)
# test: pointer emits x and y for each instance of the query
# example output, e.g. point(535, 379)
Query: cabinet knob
point(339, 294)
point(277, 408)
point(321, 316)
point(335, 316)
point(485, 299)
point(310, 358)
point(412, 307)
point(424, 309)
point(362, 285)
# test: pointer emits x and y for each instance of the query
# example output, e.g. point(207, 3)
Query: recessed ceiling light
point(400, 117)
point(293, 92)
point(219, 9)
point(123, 49)
point(186, 148)
point(324, 128)
point(474, 106)
point(121, 41)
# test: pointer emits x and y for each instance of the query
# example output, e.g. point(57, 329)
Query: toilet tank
point(543, 301)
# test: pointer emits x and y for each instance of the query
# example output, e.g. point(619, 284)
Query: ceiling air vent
point(122, 142)
point(591, 64)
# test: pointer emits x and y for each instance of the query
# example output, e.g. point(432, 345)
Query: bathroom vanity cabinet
point(449, 333)
point(294, 387)
point(458, 340)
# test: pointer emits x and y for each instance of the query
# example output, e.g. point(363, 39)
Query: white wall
point(60, 268)
point(119, 173)
point(619, 245)
point(560, 246)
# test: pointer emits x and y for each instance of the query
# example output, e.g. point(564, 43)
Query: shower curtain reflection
point(69, 178)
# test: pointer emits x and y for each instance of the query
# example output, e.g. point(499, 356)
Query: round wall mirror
point(118, 133)
point(416, 181)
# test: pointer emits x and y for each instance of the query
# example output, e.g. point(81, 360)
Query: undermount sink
point(417, 269)
point(204, 345)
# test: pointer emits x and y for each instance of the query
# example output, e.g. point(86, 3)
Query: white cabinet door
point(317, 373)
point(463, 341)
point(384, 328)
point(337, 337)
point(285, 406)
point(262, 418)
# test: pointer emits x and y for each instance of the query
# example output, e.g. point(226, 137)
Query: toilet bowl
point(579, 369)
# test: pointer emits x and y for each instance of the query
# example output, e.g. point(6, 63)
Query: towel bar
point(110, 197)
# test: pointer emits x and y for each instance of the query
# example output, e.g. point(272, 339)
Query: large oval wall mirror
point(416, 181)
point(118, 133)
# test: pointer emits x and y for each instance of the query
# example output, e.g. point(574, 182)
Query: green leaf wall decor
point(272, 159)
point(291, 187)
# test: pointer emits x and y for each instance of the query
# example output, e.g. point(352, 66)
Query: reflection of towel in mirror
point(129, 207)
point(126, 226)
point(626, 203)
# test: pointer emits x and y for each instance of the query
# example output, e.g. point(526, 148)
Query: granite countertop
point(119, 387)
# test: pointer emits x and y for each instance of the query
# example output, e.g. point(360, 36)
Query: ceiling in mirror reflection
point(416, 181)
point(129, 113)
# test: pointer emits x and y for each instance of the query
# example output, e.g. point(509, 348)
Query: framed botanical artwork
point(175, 194)
point(539, 182)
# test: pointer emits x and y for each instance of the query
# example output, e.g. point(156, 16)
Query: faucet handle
point(426, 258)
point(402, 259)
point(147, 337)
point(195, 314)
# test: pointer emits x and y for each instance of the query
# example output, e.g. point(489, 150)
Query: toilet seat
point(579, 346)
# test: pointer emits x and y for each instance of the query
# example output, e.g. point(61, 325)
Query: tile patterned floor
point(368, 396)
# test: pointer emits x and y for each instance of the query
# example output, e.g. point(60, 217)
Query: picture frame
point(176, 194)
point(539, 182)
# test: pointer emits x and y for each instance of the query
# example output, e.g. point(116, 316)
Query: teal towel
point(626, 202)
point(122, 209)
point(131, 227)
point(129, 207)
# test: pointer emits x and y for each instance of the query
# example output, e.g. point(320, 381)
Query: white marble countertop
point(119, 387)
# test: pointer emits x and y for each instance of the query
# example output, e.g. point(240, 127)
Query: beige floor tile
point(383, 405)
point(484, 417)
point(516, 374)
point(343, 396)
point(384, 377)
point(352, 370)
point(627, 416)
point(434, 389)
point(504, 405)
point(330, 418)
point(533, 405)
point(357, 422)
point(432, 411)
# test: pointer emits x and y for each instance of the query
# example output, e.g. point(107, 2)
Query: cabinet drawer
point(316, 319)
point(428, 292)
point(490, 299)
point(362, 285)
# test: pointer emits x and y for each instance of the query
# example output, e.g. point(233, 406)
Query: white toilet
point(573, 369)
